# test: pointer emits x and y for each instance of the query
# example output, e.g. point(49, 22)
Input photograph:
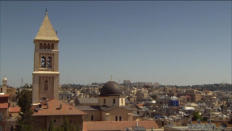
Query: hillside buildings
point(110, 104)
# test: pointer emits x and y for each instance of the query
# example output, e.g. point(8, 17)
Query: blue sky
point(167, 42)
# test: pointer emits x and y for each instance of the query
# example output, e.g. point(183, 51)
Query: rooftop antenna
point(110, 77)
point(22, 81)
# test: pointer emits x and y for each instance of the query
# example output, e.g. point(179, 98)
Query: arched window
point(48, 46)
point(43, 61)
point(91, 117)
point(46, 85)
point(44, 45)
point(43, 99)
point(49, 62)
point(104, 101)
point(52, 46)
point(113, 101)
point(116, 118)
point(41, 46)
point(120, 118)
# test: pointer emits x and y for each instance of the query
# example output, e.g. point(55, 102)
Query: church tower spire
point(46, 73)
point(46, 11)
point(46, 30)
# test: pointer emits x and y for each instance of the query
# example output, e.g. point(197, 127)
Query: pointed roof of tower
point(46, 31)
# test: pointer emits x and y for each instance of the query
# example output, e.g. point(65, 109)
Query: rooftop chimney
point(60, 107)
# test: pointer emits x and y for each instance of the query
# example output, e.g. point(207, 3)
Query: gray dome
point(110, 88)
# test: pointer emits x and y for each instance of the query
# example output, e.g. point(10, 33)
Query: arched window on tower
point(120, 118)
point(46, 85)
point(116, 118)
point(114, 101)
point(41, 46)
point(52, 46)
point(49, 62)
point(43, 62)
point(91, 117)
point(48, 46)
point(44, 45)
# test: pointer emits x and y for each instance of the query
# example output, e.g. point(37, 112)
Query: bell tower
point(46, 55)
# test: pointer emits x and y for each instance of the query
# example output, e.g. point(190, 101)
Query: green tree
point(205, 118)
point(76, 101)
point(24, 100)
point(154, 96)
point(196, 116)
point(51, 126)
point(27, 86)
point(67, 126)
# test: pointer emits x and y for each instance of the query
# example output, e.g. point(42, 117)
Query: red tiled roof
point(140, 104)
point(3, 105)
point(15, 109)
point(5, 95)
point(116, 125)
point(53, 109)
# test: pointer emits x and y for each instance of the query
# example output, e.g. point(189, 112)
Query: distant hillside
point(214, 87)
